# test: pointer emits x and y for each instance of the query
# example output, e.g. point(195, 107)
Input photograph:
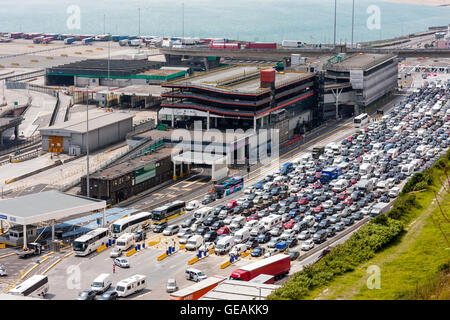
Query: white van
point(202, 213)
point(408, 169)
point(125, 241)
point(224, 245)
point(237, 222)
point(271, 221)
point(241, 235)
point(382, 186)
point(194, 242)
point(251, 224)
point(344, 165)
point(194, 275)
point(365, 169)
point(131, 285)
point(393, 152)
point(421, 150)
point(101, 283)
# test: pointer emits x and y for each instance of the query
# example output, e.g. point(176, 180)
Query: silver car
point(171, 285)
point(115, 252)
point(122, 262)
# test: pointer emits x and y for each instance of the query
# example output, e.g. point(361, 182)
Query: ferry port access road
point(65, 286)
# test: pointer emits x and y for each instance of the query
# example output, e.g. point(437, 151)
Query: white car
point(240, 201)
point(249, 190)
point(327, 204)
point(227, 220)
point(394, 192)
point(3, 272)
point(115, 252)
point(207, 246)
point(304, 235)
point(307, 245)
point(194, 204)
point(122, 262)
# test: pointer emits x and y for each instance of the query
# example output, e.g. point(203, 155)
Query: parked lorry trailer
point(196, 291)
point(277, 266)
point(330, 173)
point(261, 45)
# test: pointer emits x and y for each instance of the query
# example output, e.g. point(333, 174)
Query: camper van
point(271, 221)
point(131, 285)
point(101, 283)
point(125, 241)
point(202, 213)
point(365, 169)
point(194, 275)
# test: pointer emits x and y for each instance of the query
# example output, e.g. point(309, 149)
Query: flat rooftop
point(45, 206)
point(131, 165)
point(99, 67)
point(240, 79)
point(239, 290)
point(364, 62)
point(96, 121)
point(138, 90)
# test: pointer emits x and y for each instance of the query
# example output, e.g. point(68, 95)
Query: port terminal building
point(241, 97)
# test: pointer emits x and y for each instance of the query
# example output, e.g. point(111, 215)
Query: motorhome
point(125, 241)
point(271, 221)
point(202, 213)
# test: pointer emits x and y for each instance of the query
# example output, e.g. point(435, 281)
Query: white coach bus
point(131, 224)
point(90, 241)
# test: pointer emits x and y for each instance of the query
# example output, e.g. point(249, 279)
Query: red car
point(354, 181)
point(253, 216)
point(231, 204)
point(342, 196)
point(303, 201)
point(317, 185)
point(350, 139)
point(289, 225)
point(318, 209)
point(224, 230)
point(348, 201)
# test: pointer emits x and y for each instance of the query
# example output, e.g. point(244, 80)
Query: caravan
point(271, 221)
point(131, 285)
point(125, 241)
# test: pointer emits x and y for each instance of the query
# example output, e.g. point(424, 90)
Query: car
point(293, 255)
point(202, 230)
point(207, 246)
point(307, 245)
point(210, 236)
point(357, 215)
point(171, 285)
point(185, 238)
point(188, 222)
point(304, 235)
point(264, 237)
point(349, 221)
point(122, 262)
point(330, 231)
point(208, 198)
point(109, 295)
point(171, 230)
point(115, 252)
point(192, 205)
point(209, 221)
point(238, 249)
point(289, 224)
point(3, 272)
point(271, 252)
point(291, 242)
point(227, 220)
point(273, 242)
point(160, 227)
point(252, 243)
point(87, 295)
point(258, 252)
point(184, 231)
point(339, 226)
point(275, 232)
point(223, 230)
point(217, 225)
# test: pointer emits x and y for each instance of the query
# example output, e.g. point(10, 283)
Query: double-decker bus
point(229, 186)
point(361, 120)
point(90, 241)
point(168, 211)
point(141, 220)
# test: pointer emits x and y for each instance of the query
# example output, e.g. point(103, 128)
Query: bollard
point(138, 247)
point(143, 245)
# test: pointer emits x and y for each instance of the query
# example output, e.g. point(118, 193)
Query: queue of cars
point(300, 207)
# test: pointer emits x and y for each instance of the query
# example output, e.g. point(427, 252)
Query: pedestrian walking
point(114, 268)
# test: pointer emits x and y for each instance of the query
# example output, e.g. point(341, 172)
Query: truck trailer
point(277, 266)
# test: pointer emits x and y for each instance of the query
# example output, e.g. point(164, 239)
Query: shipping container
point(277, 266)
point(261, 45)
point(219, 45)
point(196, 291)
point(16, 35)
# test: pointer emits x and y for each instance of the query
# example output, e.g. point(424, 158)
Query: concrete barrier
point(100, 249)
point(152, 243)
point(131, 252)
point(193, 260)
point(161, 257)
point(225, 264)
point(2, 246)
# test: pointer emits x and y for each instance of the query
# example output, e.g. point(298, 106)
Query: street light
point(87, 140)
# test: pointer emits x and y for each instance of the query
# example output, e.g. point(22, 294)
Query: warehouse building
point(71, 136)
point(121, 181)
point(242, 97)
point(350, 83)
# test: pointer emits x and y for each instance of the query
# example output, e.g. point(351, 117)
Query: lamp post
point(87, 141)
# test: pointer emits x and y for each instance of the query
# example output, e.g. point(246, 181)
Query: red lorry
point(261, 45)
point(277, 266)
